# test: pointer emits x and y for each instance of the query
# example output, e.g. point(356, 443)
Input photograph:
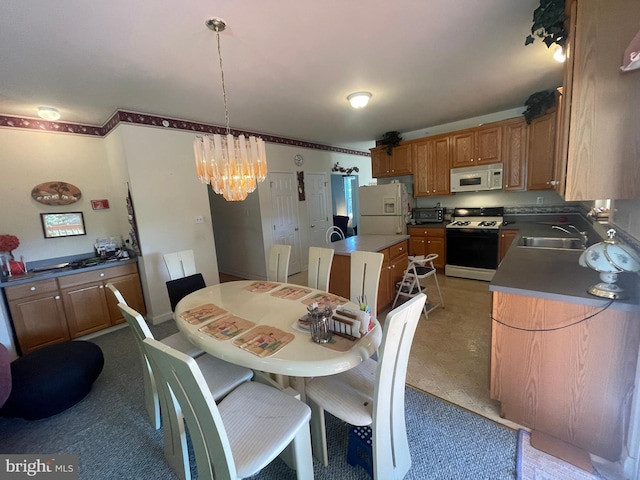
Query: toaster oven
point(427, 215)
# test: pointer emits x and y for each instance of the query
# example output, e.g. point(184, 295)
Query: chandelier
point(232, 165)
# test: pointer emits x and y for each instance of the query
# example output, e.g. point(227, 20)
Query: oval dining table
point(250, 300)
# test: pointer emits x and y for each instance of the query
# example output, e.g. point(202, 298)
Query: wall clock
point(299, 160)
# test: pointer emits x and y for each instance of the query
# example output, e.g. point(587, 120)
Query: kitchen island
point(393, 247)
point(563, 362)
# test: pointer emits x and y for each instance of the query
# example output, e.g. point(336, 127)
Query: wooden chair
point(365, 278)
point(180, 264)
point(221, 378)
point(278, 263)
point(333, 232)
point(372, 394)
point(319, 270)
point(243, 433)
point(420, 268)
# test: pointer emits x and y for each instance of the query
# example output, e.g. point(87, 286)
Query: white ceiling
point(289, 64)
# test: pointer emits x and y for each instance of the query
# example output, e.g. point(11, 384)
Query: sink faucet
point(583, 235)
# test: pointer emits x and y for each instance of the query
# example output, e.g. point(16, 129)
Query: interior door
point(284, 201)
point(317, 207)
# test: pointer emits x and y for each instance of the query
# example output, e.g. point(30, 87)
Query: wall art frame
point(65, 224)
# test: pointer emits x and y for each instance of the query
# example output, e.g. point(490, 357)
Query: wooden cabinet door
point(421, 174)
point(417, 245)
point(379, 162)
point(401, 160)
point(86, 308)
point(515, 155)
point(488, 145)
point(541, 155)
point(39, 321)
point(129, 287)
point(462, 149)
point(439, 167)
point(506, 239)
point(436, 245)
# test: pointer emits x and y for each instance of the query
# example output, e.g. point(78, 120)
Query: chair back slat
point(365, 277)
point(278, 263)
point(180, 264)
point(319, 270)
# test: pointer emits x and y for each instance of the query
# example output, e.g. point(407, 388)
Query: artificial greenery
point(548, 23)
point(538, 103)
point(390, 140)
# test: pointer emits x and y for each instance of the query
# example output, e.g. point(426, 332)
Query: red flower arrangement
point(8, 243)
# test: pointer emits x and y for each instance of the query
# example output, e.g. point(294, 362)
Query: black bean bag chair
point(50, 380)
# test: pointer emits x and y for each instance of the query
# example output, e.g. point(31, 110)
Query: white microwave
point(473, 179)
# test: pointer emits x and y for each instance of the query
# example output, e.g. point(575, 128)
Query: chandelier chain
point(224, 90)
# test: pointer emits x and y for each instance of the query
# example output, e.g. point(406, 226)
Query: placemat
point(227, 327)
point(199, 314)
point(324, 299)
point(263, 340)
point(260, 287)
point(291, 293)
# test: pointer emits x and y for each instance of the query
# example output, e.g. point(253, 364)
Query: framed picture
point(99, 204)
point(67, 224)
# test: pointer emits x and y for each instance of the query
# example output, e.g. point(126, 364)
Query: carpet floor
point(110, 432)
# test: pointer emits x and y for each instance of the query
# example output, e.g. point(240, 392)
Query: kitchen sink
point(566, 243)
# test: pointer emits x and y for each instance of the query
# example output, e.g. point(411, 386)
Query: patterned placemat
point(263, 340)
point(202, 313)
point(324, 299)
point(227, 327)
point(291, 292)
point(261, 287)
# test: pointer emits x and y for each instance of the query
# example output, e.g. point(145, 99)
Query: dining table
point(257, 324)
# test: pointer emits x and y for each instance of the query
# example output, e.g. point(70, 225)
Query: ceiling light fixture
point(232, 165)
point(48, 113)
point(359, 99)
point(559, 55)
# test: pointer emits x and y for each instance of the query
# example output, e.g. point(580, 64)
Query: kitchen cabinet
point(432, 164)
point(425, 241)
point(477, 146)
point(506, 239)
point(396, 261)
point(85, 299)
point(514, 149)
point(541, 152)
point(572, 382)
point(601, 102)
point(396, 164)
point(37, 313)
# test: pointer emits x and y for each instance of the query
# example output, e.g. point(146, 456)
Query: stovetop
point(472, 218)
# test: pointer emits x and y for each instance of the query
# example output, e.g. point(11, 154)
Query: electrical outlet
point(540, 200)
point(199, 219)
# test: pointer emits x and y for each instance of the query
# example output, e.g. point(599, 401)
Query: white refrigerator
point(384, 209)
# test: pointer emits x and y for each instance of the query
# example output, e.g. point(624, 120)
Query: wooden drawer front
point(31, 289)
point(415, 231)
point(398, 249)
point(434, 232)
point(102, 274)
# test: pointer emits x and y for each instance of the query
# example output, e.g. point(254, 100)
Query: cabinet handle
point(401, 248)
point(102, 274)
point(101, 286)
point(57, 297)
point(33, 289)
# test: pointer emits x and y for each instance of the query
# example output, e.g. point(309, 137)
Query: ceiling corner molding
point(149, 120)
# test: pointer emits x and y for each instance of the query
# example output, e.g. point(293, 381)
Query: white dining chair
point(278, 263)
point(365, 278)
point(333, 232)
point(180, 264)
point(221, 378)
point(319, 269)
point(420, 268)
point(372, 394)
point(116, 292)
point(244, 432)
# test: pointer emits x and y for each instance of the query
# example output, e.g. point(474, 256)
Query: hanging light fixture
point(232, 165)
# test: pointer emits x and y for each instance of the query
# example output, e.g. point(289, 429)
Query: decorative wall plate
point(56, 193)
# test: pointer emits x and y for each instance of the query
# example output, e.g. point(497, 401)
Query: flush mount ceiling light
point(232, 165)
point(48, 113)
point(359, 99)
point(558, 54)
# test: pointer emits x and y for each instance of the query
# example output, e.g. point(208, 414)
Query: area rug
point(533, 464)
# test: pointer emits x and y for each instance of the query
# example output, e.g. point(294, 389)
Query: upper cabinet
point(396, 164)
point(477, 146)
point(514, 152)
point(601, 102)
point(431, 166)
point(542, 152)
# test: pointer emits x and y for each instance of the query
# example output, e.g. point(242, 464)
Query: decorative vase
point(5, 258)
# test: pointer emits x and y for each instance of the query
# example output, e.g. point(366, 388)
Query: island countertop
point(366, 243)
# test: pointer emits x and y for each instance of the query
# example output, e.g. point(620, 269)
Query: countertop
point(60, 272)
point(555, 274)
point(366, 243)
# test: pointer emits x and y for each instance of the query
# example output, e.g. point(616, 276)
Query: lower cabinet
point(396, 261)
point(506, 239)
point(425, 241)
point(58, 309)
